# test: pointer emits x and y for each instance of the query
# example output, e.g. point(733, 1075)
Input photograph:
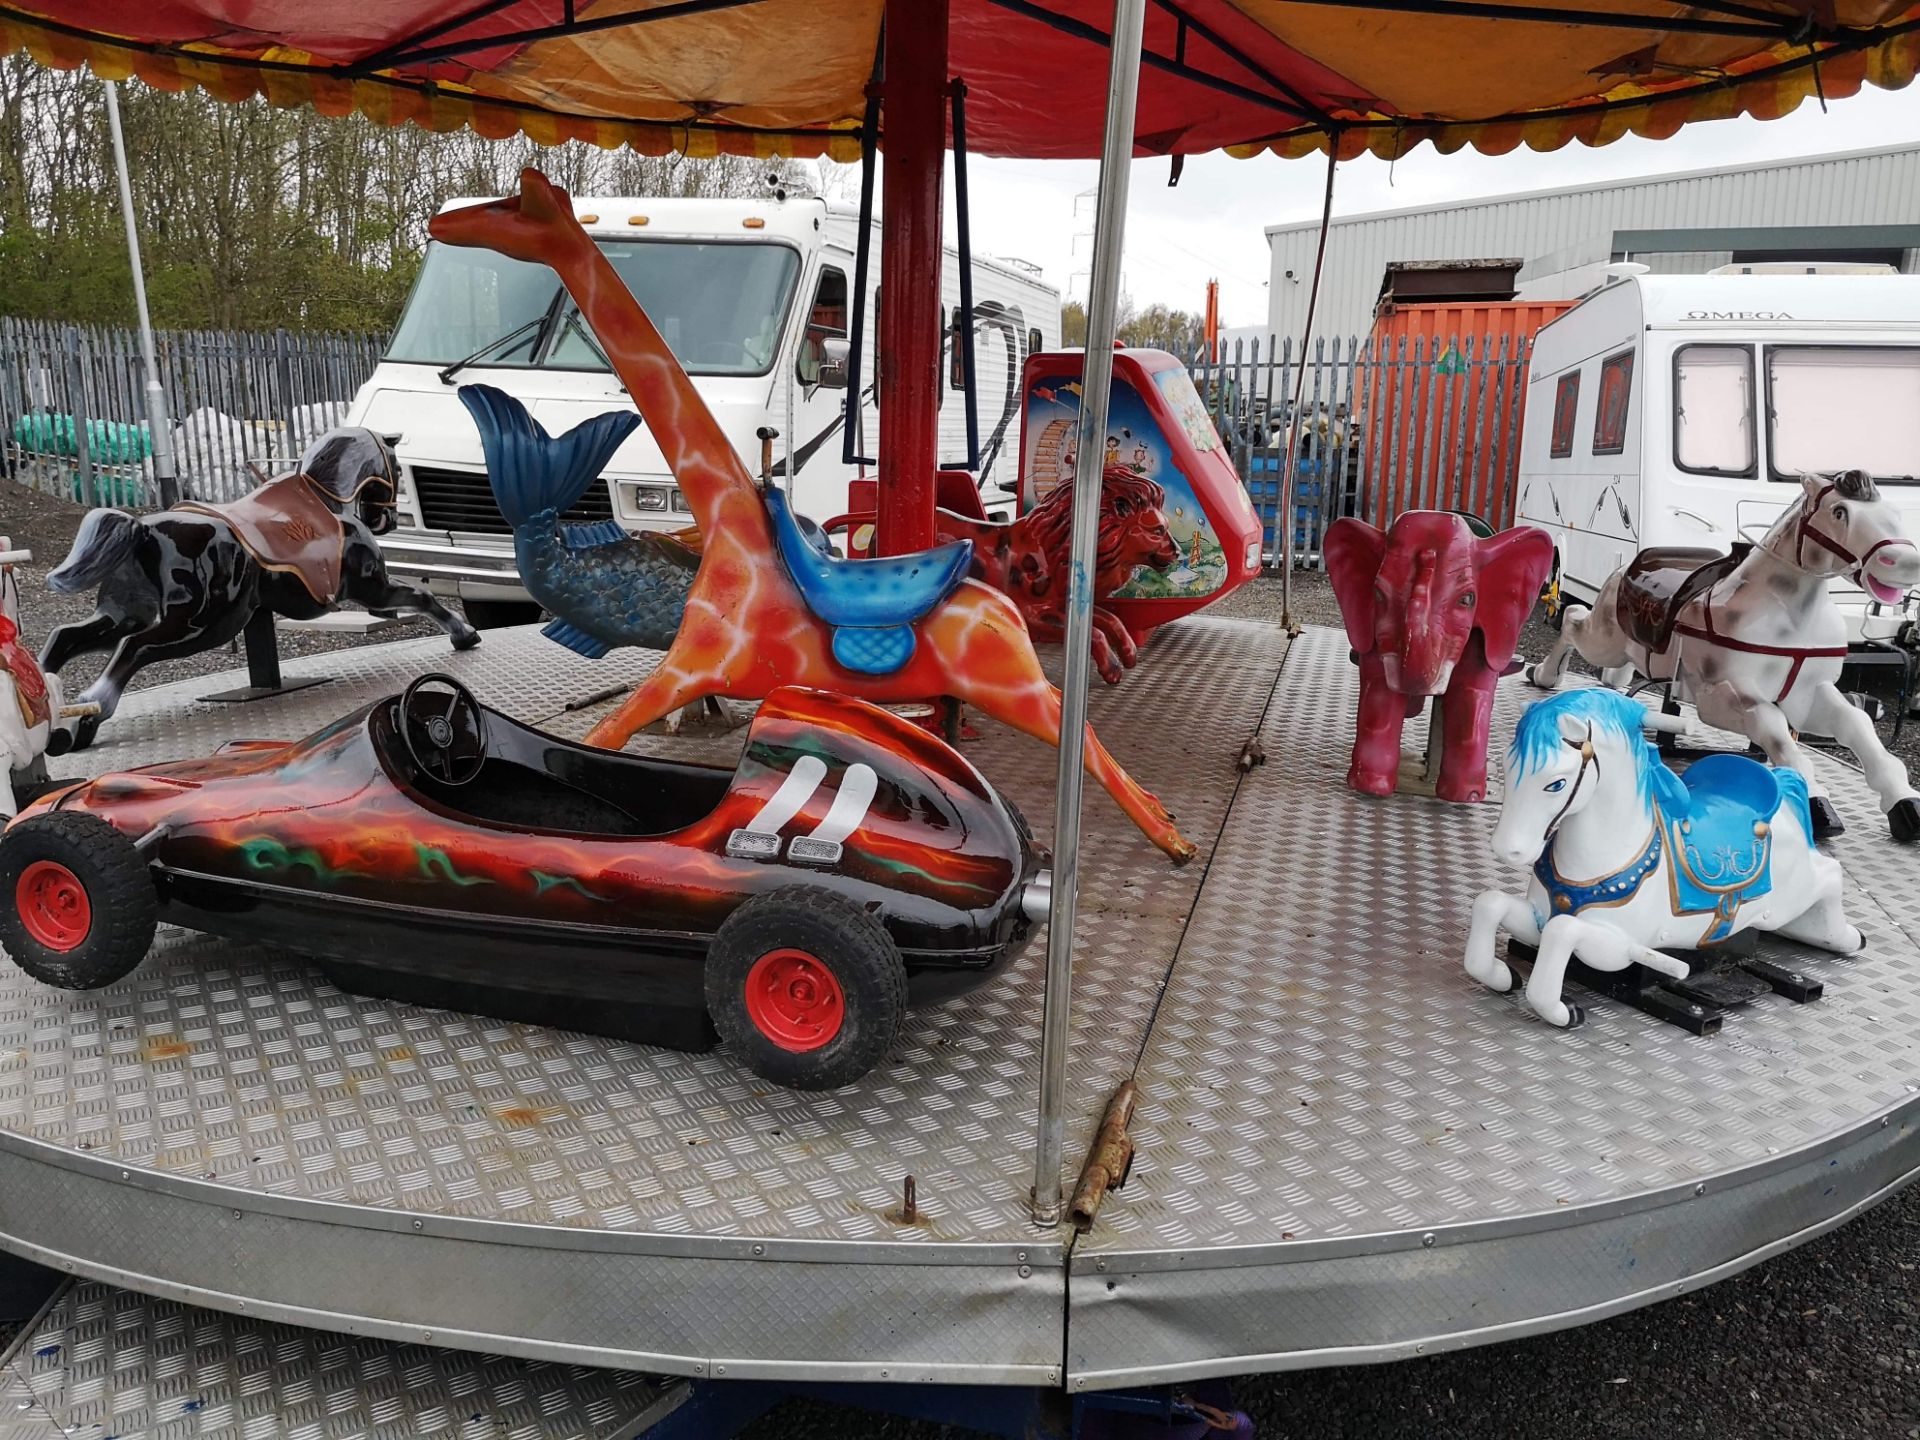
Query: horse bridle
point(1806, 530)
point(1588, 756)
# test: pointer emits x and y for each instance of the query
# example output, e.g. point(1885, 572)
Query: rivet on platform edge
point(1419, 1349)
point(426, 1335)
point(759, 1249)
point(1021, 1257)
point(1026, 1272)
point(1885, 1120)
point(236, 1214)
point(719, 1369)
point(1700, 1189)
point(1100, 1264)
point(126, 1175)
point(419, 1224)
point(886, 1374)
point(1427, 1239)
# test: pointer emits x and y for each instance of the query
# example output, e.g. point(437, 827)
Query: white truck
point(1681, 409)
point(754, 296)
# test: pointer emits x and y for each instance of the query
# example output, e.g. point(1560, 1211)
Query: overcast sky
point(1212, 224)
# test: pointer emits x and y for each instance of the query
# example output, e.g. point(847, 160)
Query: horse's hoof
point(1904, 820)
point(466, 641)
point(1533, 678)
point(1826, 820)
point(59, 742)
point(1576, 1017)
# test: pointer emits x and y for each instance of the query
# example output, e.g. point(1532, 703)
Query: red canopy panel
point(790, 76)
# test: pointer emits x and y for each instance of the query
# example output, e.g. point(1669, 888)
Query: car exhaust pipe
point(1036, 901)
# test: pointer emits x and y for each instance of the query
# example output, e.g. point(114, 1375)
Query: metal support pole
point(1096, 380)
point(1299, 387)
point(160, 429)
point(907, 358)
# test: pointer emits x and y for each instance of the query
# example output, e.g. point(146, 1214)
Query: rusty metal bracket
point(1109, 1160)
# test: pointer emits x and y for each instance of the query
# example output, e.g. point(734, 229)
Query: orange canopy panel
point(772, 77)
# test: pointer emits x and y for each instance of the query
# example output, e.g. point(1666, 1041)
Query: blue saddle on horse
point(1719, 821)
point(871, 604)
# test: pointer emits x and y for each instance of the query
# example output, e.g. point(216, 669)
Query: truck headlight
point(648, 498)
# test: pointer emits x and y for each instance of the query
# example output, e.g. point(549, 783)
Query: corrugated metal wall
point(1876, 187)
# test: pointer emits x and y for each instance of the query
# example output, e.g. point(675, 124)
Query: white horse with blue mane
point(1629, 857)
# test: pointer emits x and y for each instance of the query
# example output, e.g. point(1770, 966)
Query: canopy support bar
point(1239, 57)
point(1788, 28)
point(1067, 25)
point(1096, 381)
point(541, 32)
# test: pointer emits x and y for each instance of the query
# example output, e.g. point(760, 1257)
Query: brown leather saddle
point(1659, 582)
point(286, 526)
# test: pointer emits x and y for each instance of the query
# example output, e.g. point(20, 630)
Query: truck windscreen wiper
point(534, 325)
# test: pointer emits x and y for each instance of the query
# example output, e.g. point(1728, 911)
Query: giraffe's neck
point(706, 466)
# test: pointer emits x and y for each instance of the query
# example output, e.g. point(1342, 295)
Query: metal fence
point(73, 408)
point(1402, 423)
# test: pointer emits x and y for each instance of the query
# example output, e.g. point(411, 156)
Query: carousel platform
point(1347, 1149)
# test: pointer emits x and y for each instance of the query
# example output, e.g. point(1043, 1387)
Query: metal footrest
point(103, 1362)
point(1719, 980)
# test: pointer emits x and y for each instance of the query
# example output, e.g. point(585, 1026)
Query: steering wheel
point(446, 734)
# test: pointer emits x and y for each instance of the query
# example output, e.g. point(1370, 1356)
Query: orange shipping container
point(1445, 395)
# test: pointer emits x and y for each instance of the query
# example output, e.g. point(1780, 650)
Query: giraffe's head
point(536, 225)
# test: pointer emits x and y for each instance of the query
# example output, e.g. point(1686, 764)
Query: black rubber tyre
point(77, 906)
point(840, 949)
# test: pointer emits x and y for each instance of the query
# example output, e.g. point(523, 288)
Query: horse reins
point(1804, 530)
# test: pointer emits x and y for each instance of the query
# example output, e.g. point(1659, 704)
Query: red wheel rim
point(53, 905)
point(794, 1000)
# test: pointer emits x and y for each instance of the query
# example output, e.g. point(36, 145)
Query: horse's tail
point(104, 544)
point(532, 471)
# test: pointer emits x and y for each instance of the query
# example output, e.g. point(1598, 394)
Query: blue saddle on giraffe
point(871, 604)
point(1718, 822)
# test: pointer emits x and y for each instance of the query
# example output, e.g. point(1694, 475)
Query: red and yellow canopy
point(777, 77)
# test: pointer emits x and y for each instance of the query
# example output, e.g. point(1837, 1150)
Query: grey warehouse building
point(1857, 206)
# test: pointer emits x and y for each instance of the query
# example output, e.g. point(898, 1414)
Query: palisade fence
point(73, 416)
point(1391, 423)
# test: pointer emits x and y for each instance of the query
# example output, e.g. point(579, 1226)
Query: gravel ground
point(1823, 1342)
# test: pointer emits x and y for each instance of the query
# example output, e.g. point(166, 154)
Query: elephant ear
point(1353, 549)
point(1512, 566)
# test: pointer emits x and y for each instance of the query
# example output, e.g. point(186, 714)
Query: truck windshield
point(719, 305)
point(1839, 407)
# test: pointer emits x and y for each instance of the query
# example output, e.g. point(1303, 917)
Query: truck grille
point(463, 500)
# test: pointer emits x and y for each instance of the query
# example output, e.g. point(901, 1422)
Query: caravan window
point(1610, 414)
point(1713, 409)
point(1566, 401)
point(1841, 407)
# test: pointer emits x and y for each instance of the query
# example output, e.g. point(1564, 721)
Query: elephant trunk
point(1425, 656)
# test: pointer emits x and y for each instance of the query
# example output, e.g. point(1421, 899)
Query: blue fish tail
point(588, 537)
point(532, 471)
point(563, 632)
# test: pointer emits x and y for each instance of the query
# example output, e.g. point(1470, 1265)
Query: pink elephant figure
point(1431, 609)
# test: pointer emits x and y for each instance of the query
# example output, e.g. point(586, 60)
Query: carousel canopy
point(767, 77)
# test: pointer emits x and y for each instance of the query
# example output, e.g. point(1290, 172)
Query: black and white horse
point(180, 581)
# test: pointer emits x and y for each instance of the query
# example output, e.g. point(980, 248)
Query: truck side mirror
point(836, 354)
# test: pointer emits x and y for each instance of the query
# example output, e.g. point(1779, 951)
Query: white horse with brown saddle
point(1755, 640)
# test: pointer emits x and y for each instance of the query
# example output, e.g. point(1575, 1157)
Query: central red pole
point(914, 127)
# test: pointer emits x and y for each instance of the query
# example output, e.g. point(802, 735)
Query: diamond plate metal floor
point(114, 1365)
point(1326, 1092)
point(339, 1129)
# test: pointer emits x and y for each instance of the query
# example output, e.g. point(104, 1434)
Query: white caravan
point(754, 298)
point(1681, 409)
